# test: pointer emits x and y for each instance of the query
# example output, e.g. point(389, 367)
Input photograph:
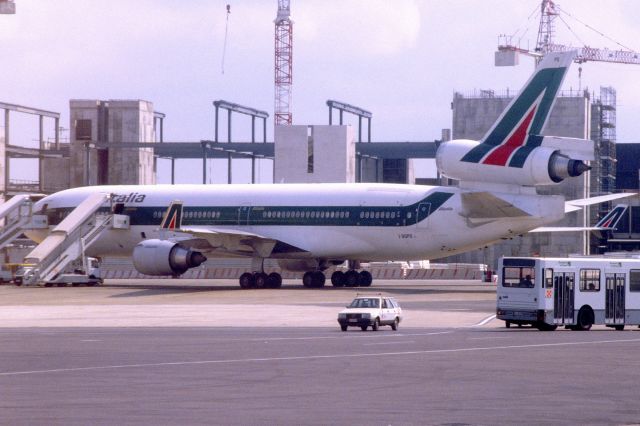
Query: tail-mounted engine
point(162, 257)
point(543, 165)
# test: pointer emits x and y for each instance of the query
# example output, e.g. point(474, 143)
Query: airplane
point(311, 227)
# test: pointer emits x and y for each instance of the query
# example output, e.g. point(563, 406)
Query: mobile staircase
point(67, 242)
point(16, 215)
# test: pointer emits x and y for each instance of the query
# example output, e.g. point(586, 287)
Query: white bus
point(574, 292)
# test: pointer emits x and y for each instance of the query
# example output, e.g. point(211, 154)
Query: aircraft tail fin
point(172, 219)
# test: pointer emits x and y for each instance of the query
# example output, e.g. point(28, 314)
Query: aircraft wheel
point(274, 280)
point(338, 279)
point(246, 280)
point(260, 279)
point(365, 279)
point(351, 278)
point(319, 279)
point(307, 279)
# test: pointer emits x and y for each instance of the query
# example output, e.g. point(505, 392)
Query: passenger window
point(590, 280)
point(548, 278)
point(384, 303)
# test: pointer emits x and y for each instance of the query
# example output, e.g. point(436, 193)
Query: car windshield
point(365, 303)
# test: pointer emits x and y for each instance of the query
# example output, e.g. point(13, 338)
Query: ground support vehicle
point(79, 274)
point(574, 292)
point(371, 311)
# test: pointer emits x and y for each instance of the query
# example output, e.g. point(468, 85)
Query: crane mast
point(283, 64)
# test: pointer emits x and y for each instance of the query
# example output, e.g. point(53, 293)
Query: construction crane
point(283, 64)
point(549, 12)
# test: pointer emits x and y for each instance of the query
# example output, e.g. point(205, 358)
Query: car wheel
point(376, 325)
point(343, 327)
point(394, 326)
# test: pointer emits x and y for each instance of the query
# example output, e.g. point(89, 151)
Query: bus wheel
point(585, 319)
point(507, 324)
point(619, 327)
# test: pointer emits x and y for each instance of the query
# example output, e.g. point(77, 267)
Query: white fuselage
point(369, 222)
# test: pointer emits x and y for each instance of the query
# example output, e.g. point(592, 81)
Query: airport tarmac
point(209, 353)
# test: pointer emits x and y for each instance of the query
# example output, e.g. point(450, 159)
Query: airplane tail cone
point(577, 167)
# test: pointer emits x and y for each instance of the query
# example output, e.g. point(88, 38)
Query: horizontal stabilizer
point(607, 223)
point(575, 205)
point(577, 149)
point(485, 205)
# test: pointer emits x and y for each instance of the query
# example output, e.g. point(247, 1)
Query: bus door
point(614, 299)
point(563, 297)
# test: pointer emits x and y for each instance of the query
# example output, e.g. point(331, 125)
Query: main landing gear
point(351, 278)
point(313, 279)
point(260, 280)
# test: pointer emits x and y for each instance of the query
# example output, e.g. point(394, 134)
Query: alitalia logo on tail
point(518, 131)
point(172, 219)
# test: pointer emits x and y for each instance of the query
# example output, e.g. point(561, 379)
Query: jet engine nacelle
point(543, 166)
point(162, 257)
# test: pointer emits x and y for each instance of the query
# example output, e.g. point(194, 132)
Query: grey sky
point(400, 59)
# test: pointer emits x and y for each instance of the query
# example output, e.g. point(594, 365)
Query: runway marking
point(389, 343)
point(343, 336)
point(485, 321)
point(310, 357)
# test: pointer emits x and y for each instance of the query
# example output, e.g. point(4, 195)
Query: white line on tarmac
point(485, 321)
point(342, 336)
point(389, 343)
point(311, 357)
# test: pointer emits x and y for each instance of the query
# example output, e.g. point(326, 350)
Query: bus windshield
point(518, 276)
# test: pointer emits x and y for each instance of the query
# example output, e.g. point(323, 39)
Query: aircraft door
point(244, 215)
point(422, 215)
point(614, 299)
point(563, 297)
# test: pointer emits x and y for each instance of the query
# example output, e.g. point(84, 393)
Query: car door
point(387, 311)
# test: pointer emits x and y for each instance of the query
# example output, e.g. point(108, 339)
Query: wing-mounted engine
point(163, 257)
point(469, 161)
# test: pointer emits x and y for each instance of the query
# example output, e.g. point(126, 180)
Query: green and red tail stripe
point(518, 131)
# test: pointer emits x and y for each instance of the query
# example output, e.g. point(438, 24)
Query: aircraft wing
point(575, 205)
point(223, 240)
point(485, 206)
point(235, 242)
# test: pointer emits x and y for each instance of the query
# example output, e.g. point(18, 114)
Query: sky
point(402, 60)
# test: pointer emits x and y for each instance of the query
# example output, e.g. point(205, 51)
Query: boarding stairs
point(16, 215)
point(68, 241)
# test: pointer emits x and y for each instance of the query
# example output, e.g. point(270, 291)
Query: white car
point(371, 310)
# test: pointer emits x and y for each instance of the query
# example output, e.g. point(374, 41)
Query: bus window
point(518, 277)
point(634, 280)
point(548, 278)
point(589, 279)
